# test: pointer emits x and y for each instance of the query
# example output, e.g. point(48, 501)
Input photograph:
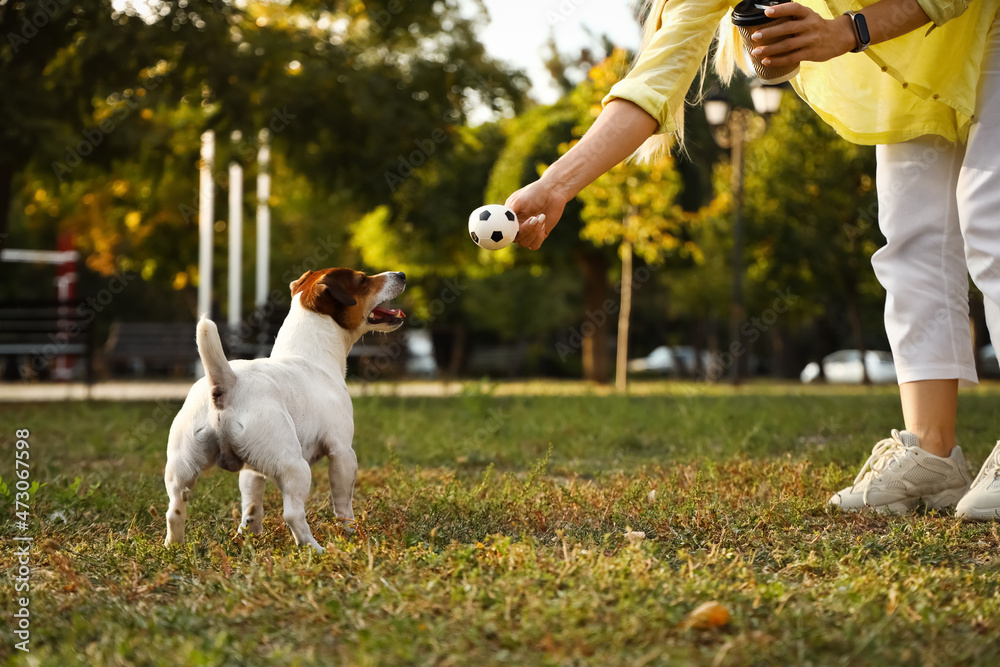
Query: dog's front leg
point(252, 492)
point(343, 472)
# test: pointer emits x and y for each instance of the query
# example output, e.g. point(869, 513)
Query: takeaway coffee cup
point(749, 17)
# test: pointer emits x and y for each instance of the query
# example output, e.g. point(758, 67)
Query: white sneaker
point(982, 502)
point(898, 474)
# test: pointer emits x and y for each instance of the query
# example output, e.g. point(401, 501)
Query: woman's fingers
point(807, 37)
point(793, 9)
point(785, 46)
point(532, 233)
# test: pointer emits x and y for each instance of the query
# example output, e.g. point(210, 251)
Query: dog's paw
point(252, 529)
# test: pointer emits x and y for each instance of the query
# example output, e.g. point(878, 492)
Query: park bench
point(36, 335)
point(500, 360)
point(151, 347)
point(144, 348)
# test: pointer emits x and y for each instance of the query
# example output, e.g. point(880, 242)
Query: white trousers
point(939, 209)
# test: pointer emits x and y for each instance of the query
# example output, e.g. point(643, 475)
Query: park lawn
point(492, 530)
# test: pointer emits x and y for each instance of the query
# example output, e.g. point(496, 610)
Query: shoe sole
point(937, 501)
point(969, 514)
point(900, 507)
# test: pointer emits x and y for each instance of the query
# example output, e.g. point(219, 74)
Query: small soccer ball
point(493, 226)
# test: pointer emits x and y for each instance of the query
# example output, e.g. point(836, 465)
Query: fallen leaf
point(708, 615)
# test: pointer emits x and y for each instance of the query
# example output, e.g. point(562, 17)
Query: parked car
point(420, 360)
point(672, 360)
point(845, 367)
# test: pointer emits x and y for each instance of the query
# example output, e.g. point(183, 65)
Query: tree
point(811, 211)
point(354, 94)
point(632, 202)
point(535, 139)
point(632, 206)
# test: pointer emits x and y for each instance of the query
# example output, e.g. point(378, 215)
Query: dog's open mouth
point(381, 315)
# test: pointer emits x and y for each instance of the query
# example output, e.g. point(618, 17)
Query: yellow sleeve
point(666, 68)
point(942, 11)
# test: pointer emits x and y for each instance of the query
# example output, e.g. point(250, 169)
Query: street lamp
point(732, 126)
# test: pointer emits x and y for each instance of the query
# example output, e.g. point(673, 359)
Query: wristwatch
point(862, 38)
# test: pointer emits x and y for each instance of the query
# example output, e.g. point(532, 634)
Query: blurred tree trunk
point(857, 329)
point(823, 341)
point(777, 352)
point(594, 329)
point(6, 182)
point(698, 336)
point(449, 349)
point(621, 362)
point(457, 360)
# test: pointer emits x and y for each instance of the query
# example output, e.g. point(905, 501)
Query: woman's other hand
point(808, 36)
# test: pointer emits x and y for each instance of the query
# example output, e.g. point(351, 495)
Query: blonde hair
point(728, 56)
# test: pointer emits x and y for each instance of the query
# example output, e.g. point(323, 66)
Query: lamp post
point(732, 126)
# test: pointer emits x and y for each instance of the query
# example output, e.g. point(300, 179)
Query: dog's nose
point(401, 275)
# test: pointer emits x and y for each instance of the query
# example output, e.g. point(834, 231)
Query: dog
point(275, 417)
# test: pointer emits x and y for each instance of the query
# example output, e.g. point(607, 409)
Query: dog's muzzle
point(395, 284)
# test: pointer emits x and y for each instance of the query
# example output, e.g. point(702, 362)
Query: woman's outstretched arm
point(617, 133)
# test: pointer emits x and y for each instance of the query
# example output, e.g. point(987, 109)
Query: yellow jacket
point(917, 84)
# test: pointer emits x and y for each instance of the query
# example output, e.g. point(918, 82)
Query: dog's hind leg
point(179, 480)
point(343, 472)
point(252, 492)
point(294, 478)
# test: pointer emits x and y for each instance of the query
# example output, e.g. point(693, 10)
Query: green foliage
point(119, 100)
point(633, 202)
point(424, 231)
point(810, 207)
point(522, 303)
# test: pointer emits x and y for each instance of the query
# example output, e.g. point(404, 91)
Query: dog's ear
point(330, 293)
point(328, 296)
point(333, 291)
point(294, 285)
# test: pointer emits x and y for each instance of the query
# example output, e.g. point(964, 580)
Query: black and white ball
point(493, 226)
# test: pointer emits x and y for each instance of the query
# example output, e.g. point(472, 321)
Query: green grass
point(492, 531)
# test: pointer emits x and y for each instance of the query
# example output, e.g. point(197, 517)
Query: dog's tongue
point(387, 313)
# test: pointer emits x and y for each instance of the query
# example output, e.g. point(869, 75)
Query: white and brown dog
point(275, 417)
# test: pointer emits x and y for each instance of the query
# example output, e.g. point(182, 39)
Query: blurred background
point(362, 134)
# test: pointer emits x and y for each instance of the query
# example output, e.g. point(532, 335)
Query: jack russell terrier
point(275, 417)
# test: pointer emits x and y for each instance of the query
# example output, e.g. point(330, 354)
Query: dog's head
point(352, 298)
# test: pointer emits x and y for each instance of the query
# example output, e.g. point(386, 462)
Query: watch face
point(862, 27)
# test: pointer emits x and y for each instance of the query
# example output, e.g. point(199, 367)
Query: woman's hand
point(808, 36)
point(538, 208)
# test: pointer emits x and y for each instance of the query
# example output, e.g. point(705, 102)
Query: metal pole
point(263, 238)
point(263, 220)
point(206, 206)
point(737, 312)
point(235, 246)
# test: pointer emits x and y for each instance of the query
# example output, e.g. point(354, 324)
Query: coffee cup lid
point(751, 12)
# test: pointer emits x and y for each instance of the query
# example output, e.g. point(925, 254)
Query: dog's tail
point(221, 380)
